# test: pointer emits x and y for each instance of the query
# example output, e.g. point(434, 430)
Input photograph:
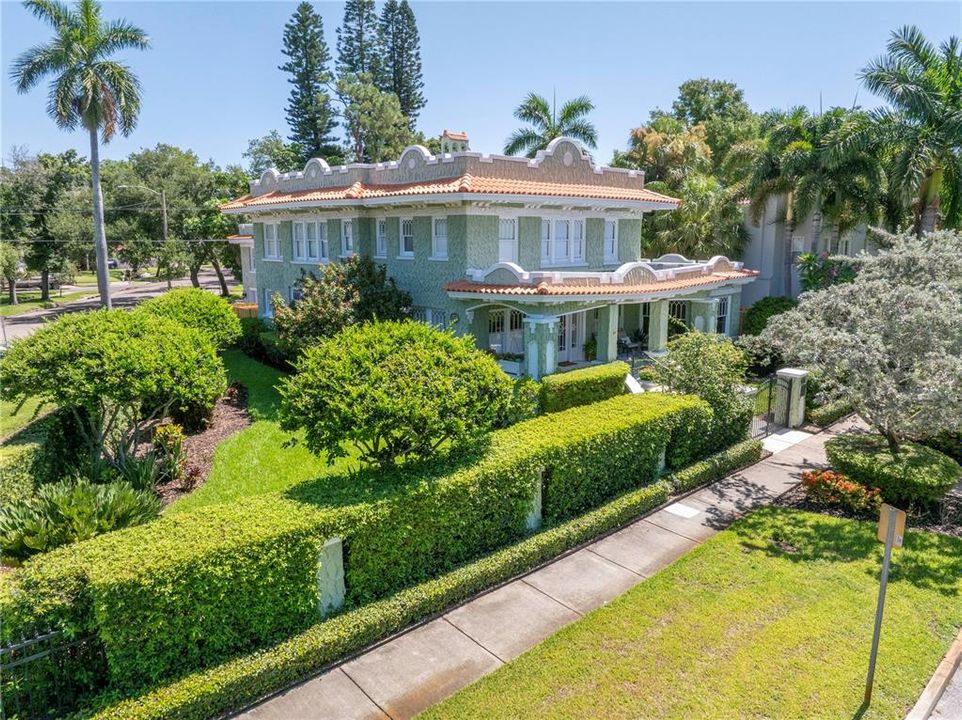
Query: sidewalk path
point(416, 669)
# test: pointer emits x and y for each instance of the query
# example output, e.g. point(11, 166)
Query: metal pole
point(887, 556)
point(163, 202)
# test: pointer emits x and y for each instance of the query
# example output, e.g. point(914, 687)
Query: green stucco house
point(539, 259)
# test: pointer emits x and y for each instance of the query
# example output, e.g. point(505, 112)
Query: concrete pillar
point(790, 397)
point(735, 314)
point(330, 576)
point(541, 345)
point(607, 333)
point(658, 326)
point(533, 520)
point(703, 314)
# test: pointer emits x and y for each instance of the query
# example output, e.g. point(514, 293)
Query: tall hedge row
point(583, 386)
point(189, 590)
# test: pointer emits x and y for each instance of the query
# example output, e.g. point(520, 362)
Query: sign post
point(891, 528)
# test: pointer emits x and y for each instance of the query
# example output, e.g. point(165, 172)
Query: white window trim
point(435, 254)
point(513, 240)
point(378, 252)
point(345, 252)
point(610, 258)
point(278, 257)
point(571, 259)
point(401, 252)
point(726, 300)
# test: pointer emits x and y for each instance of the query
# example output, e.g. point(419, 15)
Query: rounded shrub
point(198, 309)
point(393, 389)
point(915, 475)
point(756, 317)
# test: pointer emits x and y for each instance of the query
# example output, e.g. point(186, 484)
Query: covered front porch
point(542, 323)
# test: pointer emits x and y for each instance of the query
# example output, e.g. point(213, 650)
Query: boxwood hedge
point(192, 589)
point(825, 415)
point(583, 386)
point(214, 691)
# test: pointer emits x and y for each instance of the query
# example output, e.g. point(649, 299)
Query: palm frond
point(580, 130)
point(53, 12)
point(524, 141)
point(30, 67)
point(120, 84)
point(575, 109)
point(119, 35)
point(535, 110)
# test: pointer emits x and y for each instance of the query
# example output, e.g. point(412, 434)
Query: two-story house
point(539, 259)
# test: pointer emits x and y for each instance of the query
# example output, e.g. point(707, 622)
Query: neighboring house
point(765, 251)
point(536, 258)
point(245, 239)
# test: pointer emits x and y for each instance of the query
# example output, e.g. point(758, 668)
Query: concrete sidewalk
point(414, 670)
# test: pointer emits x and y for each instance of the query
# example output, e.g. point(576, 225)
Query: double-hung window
point(546, 243)
point(300, 254)
point(507, 240)
point(322, 239)
point(380, 249)
point(272, 248)
point(562, 241)
point(407, 237)
point(721, 316)
point(611, 242)
point(310, 236)
point(439, 239)
point(347, 237)
point(577, 241)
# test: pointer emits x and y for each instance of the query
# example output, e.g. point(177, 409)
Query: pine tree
point(309, 112)
point(401, 58)
point(358, 44)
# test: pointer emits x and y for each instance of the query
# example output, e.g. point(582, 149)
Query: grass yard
point(13, 419)
point(29, 301)
point(771, 619)
point(258, 459)
point(90, 278)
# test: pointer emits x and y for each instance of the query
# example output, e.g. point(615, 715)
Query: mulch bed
point(229, 417)
point(946, 520)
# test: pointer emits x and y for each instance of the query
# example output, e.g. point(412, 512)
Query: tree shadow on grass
point(368, 484)
point(927, 560)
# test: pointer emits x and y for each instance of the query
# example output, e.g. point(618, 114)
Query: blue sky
point(211, 80)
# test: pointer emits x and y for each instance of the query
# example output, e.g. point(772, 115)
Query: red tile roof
point(462, 184)
point(586, 287)
point(452, 135)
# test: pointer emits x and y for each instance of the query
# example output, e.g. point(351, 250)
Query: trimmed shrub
point(756, 317)
point(834, 490)
point(223, 688)
point(947, 443)
point(66, 512)
point(583, 386)
point(45, 451)
point(191, 589)
point(917, 475)
point(394, 390)
point(199, 310)
point(825, 415)
point(716, 466)
point(525, 401)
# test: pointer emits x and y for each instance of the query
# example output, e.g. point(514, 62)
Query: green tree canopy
point(377, 130)
point(401, 62)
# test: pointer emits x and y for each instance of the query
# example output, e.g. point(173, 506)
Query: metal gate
point(765, 397)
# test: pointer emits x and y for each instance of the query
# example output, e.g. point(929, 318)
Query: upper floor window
point(322, 244)
point(347, 236)
point(298, 232)
point(305, 240)
point(507, 240)
point(310, 236)
point(272, 248)
point(439, 238)
point(562, 242)
point(578, 240)
point(380, 249)
point(611, 242)
point(407, 237)
point(545, 241)
point(721, 316)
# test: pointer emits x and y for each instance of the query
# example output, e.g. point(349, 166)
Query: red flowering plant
point(833, 489)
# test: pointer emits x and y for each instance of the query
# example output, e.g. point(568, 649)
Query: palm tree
point(923, 126)
point(544, 125)
point(88, 88)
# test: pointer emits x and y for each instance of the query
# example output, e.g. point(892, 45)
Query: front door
point(571, 338)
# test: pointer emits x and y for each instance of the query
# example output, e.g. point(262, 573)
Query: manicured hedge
point(825, 415)
point(581, 387)
point(757, 316)
point(213, 692)
point(716, 466)
point(200, 310)
point(192, 589)
point(917, 475)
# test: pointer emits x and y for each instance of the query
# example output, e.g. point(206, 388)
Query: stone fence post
point(790, 397)
point(330, 576)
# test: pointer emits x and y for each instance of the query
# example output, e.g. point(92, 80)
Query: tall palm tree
point(88, 89)
point(544, 124)
point(923, 126)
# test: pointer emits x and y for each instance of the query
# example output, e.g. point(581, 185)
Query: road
point(123, 295)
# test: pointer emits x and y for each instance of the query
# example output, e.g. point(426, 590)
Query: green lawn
point(771, 619)
point(90, 278)
point(13, 419)
point(258, 459)
point(31, 301)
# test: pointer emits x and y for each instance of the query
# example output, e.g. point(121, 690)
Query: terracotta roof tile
point(586, 287)
point(452, 135)
point(462, 184)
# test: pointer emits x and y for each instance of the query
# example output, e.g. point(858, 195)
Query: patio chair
point(628, 344)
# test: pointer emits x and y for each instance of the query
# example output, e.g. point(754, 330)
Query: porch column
point(735, 314)
point(607, 333)
point(658, 326)
point(703, 312)
point(541, 345)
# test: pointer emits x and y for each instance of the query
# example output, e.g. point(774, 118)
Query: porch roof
point(588, 286)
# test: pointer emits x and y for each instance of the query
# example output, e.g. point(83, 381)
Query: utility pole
point(163, 203)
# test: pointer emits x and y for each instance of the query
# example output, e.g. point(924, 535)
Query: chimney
point(452, 142)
